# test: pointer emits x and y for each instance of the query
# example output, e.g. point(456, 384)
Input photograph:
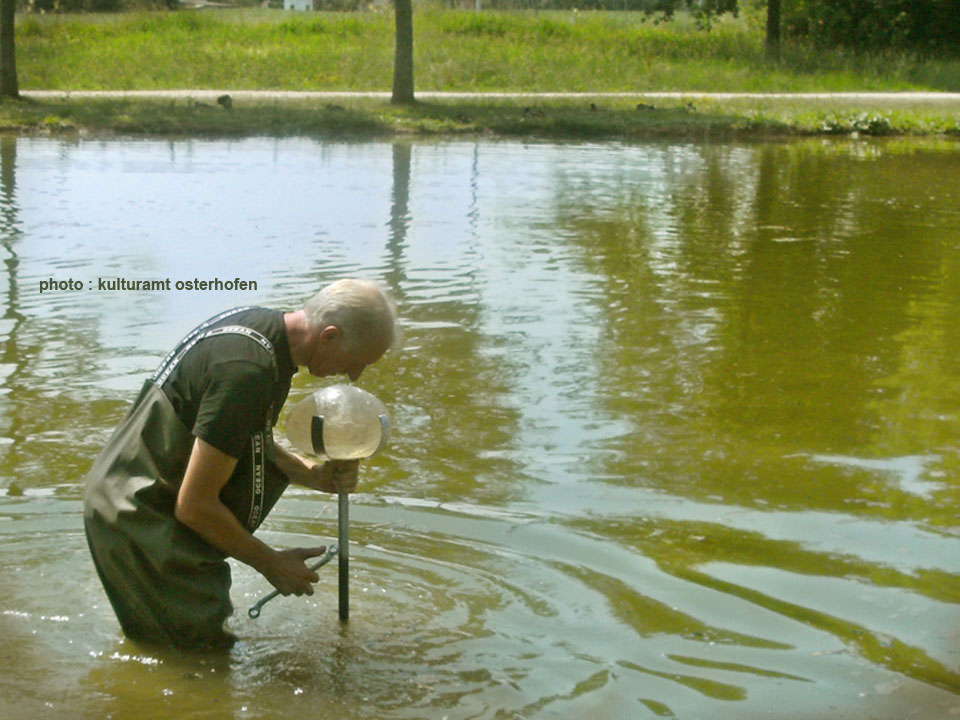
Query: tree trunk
point(8, 55)
point(403, 59)
point(773, 29)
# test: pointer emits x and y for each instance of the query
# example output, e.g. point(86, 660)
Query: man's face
point(330, 357)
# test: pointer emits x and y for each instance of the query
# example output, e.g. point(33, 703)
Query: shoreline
point(629, 116)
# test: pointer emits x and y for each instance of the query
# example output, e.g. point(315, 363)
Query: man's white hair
point(361, 309)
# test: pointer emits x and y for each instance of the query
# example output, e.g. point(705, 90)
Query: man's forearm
point(199, 508)
point(214, 522)
point(331, 476)
point(297, 469)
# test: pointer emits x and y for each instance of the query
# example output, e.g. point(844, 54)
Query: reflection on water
point(675, 425)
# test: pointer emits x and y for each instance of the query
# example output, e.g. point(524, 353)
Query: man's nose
point(355, 373)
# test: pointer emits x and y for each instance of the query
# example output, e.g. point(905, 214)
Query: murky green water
point(677, 427)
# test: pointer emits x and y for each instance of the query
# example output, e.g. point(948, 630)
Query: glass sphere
point(354, 425)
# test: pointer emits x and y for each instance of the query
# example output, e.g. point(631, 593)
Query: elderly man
point(192, 470)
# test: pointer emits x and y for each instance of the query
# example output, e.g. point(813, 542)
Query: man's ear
point(330, 333)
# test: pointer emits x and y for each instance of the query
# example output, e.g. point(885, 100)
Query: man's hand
point(332, 476)
point(337, 476)
point(289, 573)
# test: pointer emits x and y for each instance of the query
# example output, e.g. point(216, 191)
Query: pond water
point(676, 426)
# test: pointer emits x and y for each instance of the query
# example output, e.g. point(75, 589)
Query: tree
point(8, 55)
point(403, 57)
point(924, 26)
point(773, 29)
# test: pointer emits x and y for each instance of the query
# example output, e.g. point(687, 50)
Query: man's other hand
point(289, 573)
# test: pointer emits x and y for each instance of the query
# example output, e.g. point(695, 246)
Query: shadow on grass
point(186, 117)
point(585, 119)
point(567, 119)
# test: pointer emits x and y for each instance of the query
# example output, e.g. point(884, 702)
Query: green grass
point(454, 50)
point(190, 49)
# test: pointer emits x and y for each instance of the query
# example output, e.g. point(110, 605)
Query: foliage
point(703, 10)
point(860, 123)
point(931, 26)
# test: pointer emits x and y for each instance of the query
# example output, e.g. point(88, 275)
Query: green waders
point(166, 584)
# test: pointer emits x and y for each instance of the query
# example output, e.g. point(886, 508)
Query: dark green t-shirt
point(225, 387)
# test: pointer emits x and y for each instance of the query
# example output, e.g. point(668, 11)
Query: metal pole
point(344, 555)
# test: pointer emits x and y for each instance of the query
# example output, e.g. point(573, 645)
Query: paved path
point(212, 95)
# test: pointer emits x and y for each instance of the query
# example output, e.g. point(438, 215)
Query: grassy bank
point(455, 50)
point(551, 118)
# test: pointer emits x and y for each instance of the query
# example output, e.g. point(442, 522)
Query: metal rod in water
point(254, 611)
point(344, 539)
